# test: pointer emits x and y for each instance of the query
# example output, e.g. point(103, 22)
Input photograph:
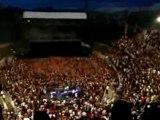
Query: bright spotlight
point(158, 19)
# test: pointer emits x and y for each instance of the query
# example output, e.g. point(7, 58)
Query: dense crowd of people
point(30, 83)
point(137, 60)
point(71, 88)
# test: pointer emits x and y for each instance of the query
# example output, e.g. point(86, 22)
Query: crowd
point(31, 82)
point(137, 60)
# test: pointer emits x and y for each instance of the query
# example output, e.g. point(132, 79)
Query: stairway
point(8, 101)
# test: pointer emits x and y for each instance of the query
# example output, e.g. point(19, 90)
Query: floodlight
point(158, 19)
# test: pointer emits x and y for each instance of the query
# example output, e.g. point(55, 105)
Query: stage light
point(28, 21)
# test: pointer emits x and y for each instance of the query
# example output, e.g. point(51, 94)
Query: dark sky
point(61, 4)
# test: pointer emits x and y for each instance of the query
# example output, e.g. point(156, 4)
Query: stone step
point(3, 103)
point(8, 101)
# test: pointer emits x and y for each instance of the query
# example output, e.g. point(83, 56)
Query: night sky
point(76, 4)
